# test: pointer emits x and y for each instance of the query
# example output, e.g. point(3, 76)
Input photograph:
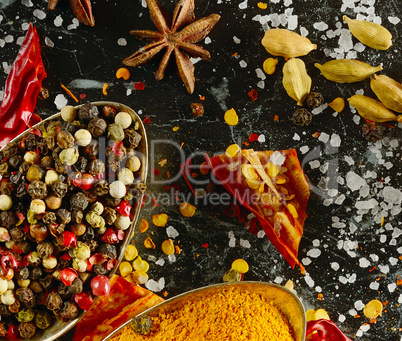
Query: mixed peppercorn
point(63, 212)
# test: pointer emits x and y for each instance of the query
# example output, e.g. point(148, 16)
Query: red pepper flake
point(139, 86)
point(194, 174)
point(146, 120)
point(202, 98)
point(399, 282)
point(320, 296)
point(316, 134)
point(82, 96)
point(154, 203)
point(372, 269)
point(253, 95)
point(253, 137)
point(234, 54)
point(165, 293)
point(181, 145)
point(246, 143)
point(117, 148)
point(205, 245)
point(156, 171)
point(276, 118)
point(36, 132)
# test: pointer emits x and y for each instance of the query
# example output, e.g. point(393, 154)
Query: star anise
point(181, 42)
point(82, 9)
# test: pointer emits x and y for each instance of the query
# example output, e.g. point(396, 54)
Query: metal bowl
point(59, 327)
point(282, 298)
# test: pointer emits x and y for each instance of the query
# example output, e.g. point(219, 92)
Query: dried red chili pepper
point(324, 330)
point(22, 88)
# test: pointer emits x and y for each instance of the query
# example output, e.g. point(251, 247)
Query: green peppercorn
point(115, 132)
point(43, 319)
point(26, 315)
point(69, 156)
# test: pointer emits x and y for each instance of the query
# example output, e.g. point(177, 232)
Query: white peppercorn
point(8, 297)
point(133, 163)
point(51, 177)
point(68, 113)
point(126, 176)
point(31, 157)
point(4, 235)
point(24, 283)
point(117, 189)
point(122, 222)
point(83, 137)
point(123, 119)
point(3, 286)
point(37, 206)
point(10, 285)
point(5, 202)
point(49, 262)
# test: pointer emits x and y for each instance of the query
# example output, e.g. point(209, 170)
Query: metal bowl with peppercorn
point(70, 194)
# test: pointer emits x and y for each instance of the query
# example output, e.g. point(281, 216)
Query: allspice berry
point(35, 172)
point(53, 202)
point(126, 176)
point(97, 126)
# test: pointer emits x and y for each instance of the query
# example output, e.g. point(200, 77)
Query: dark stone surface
point(94, 54)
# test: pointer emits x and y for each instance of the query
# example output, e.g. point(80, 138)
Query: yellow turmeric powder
point(233, 314)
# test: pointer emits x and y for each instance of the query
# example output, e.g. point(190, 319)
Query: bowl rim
point(62, 327)
point(248, 285)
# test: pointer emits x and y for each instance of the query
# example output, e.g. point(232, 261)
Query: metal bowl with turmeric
point(230, 311)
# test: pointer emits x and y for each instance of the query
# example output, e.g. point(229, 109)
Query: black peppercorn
point(101, 188)
point(5, 187)
point(87, 112)
point(10, 150)
point(63, 216)
point(77, 216)
point(50, 142)
point(109, 112)
point(16, 177)
point(5, 170)
point(8, 219)
point(36, 287)
point(96, 167)
point(81, 164)
point(65, 140)
point(302, 117)
point(23, 273)
point(59, 188)
point(53, 301)
point(108, 250)
point(49, 218)
point(44, 249)
point(24, 166)
point(68, 311)
point(21, 190)
point(88, 235)
point(59, 166)
point(15, 307)
point(99, 269)
point(24, 294)
point(26, 330)
point(47, 281)
point(67, 126)
point(314, 100)
point(91, 151)
point(47, 162)
point(131, 138)
point(36, 273)
point(17, 233)
point(373, 131)
point(31, 141)
point(78, 201)
point(37, 189)
point(112, 201)
point(97, 127)
point(15, 161)
point(43, 319)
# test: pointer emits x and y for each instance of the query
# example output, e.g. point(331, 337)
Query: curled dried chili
point(22, 88)
point(324, 330)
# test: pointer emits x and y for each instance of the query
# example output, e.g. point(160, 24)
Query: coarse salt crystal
point(359, 305)
point(320, 26)
point(207, 40)
point(245, 243)
point(39, 14)
point(49, 42)
point(60, 101)
point(172, 232)
point(391, 287)
point(314, 164)
point(354, 181)
point(319, 109)
point(58, 21)
point(374, 285)
point(394, 20)
point(277, 158)
point(306, 261)
point(364, 263)
point(303, 31)
point(160, 262)
point(304, 149)
point(261, 234)
point(314, 253)
point(261, 84)
point(236, 40)
point(122, 42)
point(324, 137)
point(335, 266)
point(296, 137)
point(243, 5)
point(27, 3)
point(261, 138)
point(243, 64)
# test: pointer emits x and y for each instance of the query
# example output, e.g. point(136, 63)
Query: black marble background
point(94, 54)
